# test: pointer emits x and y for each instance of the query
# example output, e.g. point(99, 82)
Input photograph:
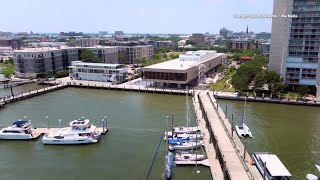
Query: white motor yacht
point(79, 132)
point(270, 166)
point(20, 130)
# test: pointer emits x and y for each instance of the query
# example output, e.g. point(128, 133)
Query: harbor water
point(136, 122)
point(290, 132)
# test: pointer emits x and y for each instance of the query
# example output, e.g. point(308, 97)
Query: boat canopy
point(178, 141)
point(274, 165)
point(20, 123)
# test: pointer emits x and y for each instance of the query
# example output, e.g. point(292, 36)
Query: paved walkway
point(232, 161)
point(253, 171)
point(215, 166)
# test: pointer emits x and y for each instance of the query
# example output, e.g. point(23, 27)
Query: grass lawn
point(8, 69)
point(222, 84)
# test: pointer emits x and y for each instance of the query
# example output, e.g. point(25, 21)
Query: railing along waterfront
point(231, 139)
point(214, 141)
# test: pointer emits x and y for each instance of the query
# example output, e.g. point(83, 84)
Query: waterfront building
point(132, 53)
point(97, 71)
point(6, 41)
point(295, 42)
point(197, 37)
point(162, 44)
point(243, 44)
point(88, 42)
point(223, 32)
point(263, 35)
point(264, 47)
point(71, 33)
point(187, 68)
point(32, 61)
point(117, 33)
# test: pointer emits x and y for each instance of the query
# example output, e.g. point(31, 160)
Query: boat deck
point(42, 131)
point(203, 162)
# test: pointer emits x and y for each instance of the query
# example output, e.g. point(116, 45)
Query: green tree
point(122, 57)
point(89, 56)
point(303, 90)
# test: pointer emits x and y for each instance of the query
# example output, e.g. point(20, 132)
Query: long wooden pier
point(229, 151)
point(92, 84)
point(202, 162)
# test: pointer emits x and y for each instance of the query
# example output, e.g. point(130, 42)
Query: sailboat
point(243, 130)
point(312, 176)
point(186, 129)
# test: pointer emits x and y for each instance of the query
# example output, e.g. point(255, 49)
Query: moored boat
point(20, 130)
point(270, 166)
point(189, 157)
point(184, 145)
point(79, 132)
point(192, 137)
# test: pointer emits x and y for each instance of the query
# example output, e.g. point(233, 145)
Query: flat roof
point(95, 64)
point(274, 165)
point(176, 64)
point(46, 49)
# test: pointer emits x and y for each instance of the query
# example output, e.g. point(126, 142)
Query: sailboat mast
point(171, 126)
point(244, 110)
point(166, 148)
point(187, 108)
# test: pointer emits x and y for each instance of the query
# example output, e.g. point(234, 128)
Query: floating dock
point(203, 163)
point(92, 84)
point(227, 148)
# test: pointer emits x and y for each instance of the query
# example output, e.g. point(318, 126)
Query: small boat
point(270, 166)
point(184, 145)
point(79, 132)
point(243, 130)
point(312, 176)
point(189, 157)
point(192, 137)
point(183, 129)
point(20, 130)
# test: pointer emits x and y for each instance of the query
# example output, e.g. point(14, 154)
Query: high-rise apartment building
point(295, 39)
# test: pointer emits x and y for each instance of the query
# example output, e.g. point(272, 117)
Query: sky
point(133, 16)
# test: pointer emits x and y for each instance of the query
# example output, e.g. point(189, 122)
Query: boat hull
point(243, 131)
point(15, 136)
point(192, 157)
point(186, 146)
point(68, 142)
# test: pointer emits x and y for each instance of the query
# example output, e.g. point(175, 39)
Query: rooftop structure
point(183, 70)
point(97, 71)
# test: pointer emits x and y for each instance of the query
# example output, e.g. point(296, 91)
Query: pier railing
point(214, 141)
point(216, 108)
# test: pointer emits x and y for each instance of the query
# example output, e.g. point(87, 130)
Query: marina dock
point(203, 163)
point(90, 84)
point(227, 147)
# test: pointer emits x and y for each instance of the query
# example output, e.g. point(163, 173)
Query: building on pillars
point(182, 71)
point(97, 71)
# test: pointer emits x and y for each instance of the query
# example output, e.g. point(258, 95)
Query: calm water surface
point(291, 132)
point(19, 89)
point(136, 122)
